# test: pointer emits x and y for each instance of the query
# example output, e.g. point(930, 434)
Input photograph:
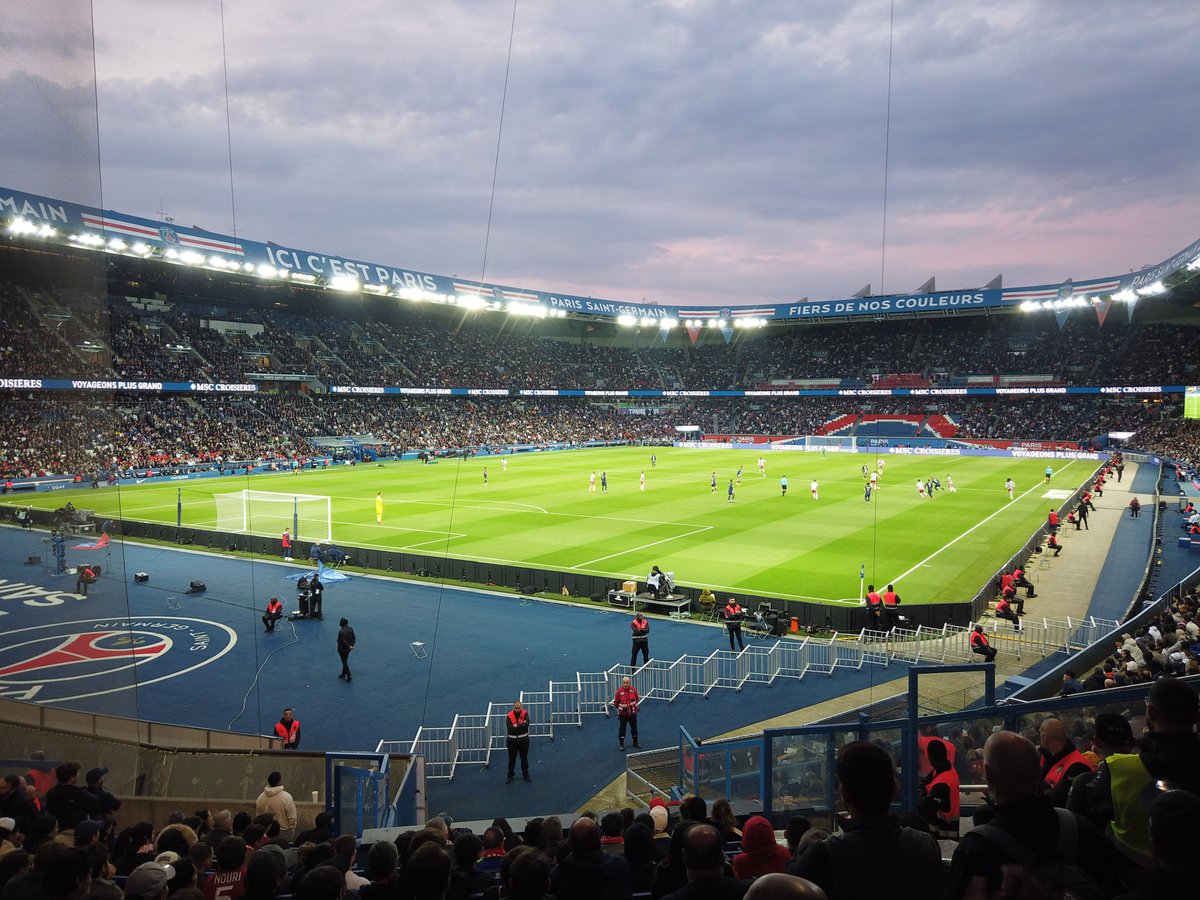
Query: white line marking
point(1036, 487)
point(644, 546)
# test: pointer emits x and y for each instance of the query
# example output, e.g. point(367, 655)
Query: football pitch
point(538, 511)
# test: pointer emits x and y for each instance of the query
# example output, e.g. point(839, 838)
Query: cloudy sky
point(679, 151)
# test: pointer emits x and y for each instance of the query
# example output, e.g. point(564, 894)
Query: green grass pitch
point(539, 512)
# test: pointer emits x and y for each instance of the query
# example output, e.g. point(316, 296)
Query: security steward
point(640, 627)
point(517, 725)
point(626, 703)
point(875, 609)
point(87, 575)
point(891, 606)
point(273, 614)
point(940, 791)
point(980, 645)
point(288, 730)
point(733, 621)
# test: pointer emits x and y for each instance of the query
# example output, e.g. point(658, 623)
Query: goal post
point(309, 517)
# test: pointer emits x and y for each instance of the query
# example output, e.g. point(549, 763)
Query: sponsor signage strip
point(64, 384)
point(159, 237)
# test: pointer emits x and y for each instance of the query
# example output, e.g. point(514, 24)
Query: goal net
point(308, 516)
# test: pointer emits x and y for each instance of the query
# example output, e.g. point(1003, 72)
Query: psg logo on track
point(91, 657)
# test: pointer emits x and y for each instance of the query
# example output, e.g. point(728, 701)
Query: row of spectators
point(412, 346)
point(42, 435)
point(1076, 806)
point(1170, 645)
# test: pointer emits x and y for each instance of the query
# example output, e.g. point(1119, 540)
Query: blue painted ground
point(208, 663)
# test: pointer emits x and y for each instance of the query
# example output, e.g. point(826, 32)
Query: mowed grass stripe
point(540, 513)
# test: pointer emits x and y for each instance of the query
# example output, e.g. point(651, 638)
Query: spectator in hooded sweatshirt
point(761, 853)
point(275, 800)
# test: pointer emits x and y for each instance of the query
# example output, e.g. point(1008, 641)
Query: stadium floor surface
point(221, 671)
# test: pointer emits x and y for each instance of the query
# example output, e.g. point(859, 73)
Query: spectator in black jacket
point(14, 801)
point(67, 801)
point(95, 786)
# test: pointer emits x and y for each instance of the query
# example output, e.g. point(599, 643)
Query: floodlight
point(1149, 290)
point(667, 324)
point(721, 323)
point(266, 271)
point(1125, 296)
point(343, 283)
point(626, 320)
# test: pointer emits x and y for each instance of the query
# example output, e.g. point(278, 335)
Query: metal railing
point(472, 738)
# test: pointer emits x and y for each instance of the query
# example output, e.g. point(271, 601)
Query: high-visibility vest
point(1056, 772)
point(950, 779)
point(1130, 783)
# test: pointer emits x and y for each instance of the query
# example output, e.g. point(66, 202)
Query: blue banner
point(69, 223)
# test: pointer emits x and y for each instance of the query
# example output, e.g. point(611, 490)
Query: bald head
point(584, 836)
point(1011, 766)
point(1052, 735)
point(778, 886)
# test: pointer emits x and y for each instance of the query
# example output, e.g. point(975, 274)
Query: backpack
point(1061, 877)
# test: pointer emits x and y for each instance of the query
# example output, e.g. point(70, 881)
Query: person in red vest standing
point(733, 621)
point(875, 609)
point(939, 791)
point(626, 703)
point(517, 725)
point(891, 606)
point(640, 627)
point(286, 543)
point(288, 730)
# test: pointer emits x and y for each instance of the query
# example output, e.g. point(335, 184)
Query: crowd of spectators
point(185, 336)
point(41, 434)
point(1169, 645)
point(1123, 808)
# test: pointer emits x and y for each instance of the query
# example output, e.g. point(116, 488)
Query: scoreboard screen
point(1191, 403)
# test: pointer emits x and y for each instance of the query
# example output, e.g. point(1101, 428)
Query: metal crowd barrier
point(471, 739)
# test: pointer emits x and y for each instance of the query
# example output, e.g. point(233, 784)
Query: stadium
point(487, 478)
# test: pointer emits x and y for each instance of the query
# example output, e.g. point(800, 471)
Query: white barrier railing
point(472, 739)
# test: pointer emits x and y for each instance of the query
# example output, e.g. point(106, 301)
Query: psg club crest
point(726, 313)
point(1065, 290)
point(168, 235)
point(88, 658)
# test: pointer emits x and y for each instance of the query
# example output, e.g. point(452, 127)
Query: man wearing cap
point(95, 786)
point(275, 800)
point(1168, 755)
point(87, 833)
point(288, 730)
point(1112, 735)
point(67, 801)
point(9, 830)
point(148, 881)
